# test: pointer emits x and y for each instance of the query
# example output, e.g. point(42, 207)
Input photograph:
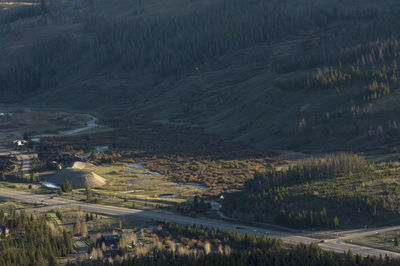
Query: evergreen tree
point(84, 229)
point(77, 228)
point(336, 222)
point(33, 177)
point(43, 7)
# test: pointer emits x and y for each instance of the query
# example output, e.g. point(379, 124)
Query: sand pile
point(82, 165)
point(78, 176)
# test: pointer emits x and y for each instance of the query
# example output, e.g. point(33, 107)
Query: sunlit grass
point(143, 188)
point(8, 5)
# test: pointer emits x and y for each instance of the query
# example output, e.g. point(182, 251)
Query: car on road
point(322, 241)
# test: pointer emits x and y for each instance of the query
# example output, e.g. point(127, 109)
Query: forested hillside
point(334, 191)
point(280, 74)
point(33, 240)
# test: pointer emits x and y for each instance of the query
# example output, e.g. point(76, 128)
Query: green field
point(127, 185)
point(100, 223)
point(6, 204)
point(384, 241)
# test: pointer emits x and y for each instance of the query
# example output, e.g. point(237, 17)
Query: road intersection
point(340, 244)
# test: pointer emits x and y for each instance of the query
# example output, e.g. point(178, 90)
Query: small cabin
point(19, 143)
point(111, 241)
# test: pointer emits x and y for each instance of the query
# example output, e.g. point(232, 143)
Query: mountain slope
point(306, 75)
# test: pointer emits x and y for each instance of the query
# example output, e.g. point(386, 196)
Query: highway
point(337, 244)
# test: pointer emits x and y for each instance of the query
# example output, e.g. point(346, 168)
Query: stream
point(92, 123)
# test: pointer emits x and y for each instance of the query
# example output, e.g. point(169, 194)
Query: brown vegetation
point(185, 154)
point(8, 164)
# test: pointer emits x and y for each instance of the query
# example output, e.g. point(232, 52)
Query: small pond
point(50, 185)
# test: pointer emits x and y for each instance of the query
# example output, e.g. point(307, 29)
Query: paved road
point(336, 245)
point(81, 250)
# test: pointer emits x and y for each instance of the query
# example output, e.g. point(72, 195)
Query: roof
point(20, 142)
point(111, 240)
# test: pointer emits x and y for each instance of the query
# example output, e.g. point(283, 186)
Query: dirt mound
point(81, 165)
point(78, 178)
